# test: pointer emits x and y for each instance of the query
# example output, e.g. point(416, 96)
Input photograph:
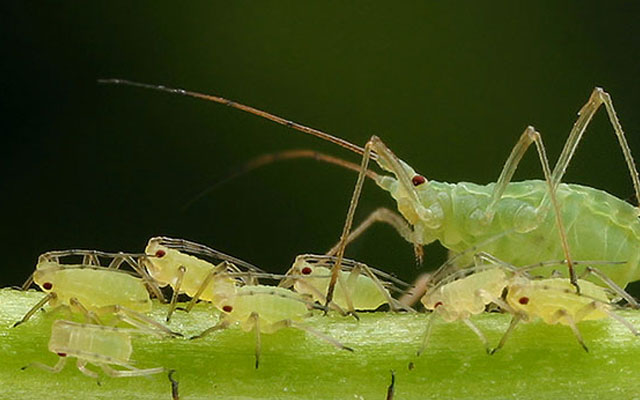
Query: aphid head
point(45, 278)
point(159, 261)
point(432, 300)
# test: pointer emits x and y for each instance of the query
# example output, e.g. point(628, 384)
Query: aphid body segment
point(187, 273)
point(358, 287)
point(94, 287)
point(462, 298)
point(99, 345)
point(267, 309)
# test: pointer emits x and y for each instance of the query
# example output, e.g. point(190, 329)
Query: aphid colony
point(114, 301)
point(500, 232)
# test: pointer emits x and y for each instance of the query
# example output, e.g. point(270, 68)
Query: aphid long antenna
point(221, 100)
point(269, 158)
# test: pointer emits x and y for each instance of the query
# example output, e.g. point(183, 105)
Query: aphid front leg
point(176, 291)
point(90, 316)
point(205, 282)
point(55, 369)
point(514, 322)
point(46, 299)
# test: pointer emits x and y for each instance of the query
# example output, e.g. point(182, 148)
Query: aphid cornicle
point(598, 225)
point(99, 345)
point(267, 309)
point(169, 263)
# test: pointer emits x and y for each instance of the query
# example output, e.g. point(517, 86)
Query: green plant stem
point(538, 362)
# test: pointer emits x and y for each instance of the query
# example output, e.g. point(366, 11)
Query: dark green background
point(448, 87)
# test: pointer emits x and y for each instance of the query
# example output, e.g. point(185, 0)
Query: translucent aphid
point(102, 346)
point(359, 287)
point(555, 302)
point(92, 290)
point(468, 292)
point(267, 309)
point(170, 262)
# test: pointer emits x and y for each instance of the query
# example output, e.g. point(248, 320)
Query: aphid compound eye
point(160, 253)
point(523, 300)
point(306, 271)
point(438, 304)
point(62, 354)
point(418, 180)
point(227, 308)
point(47, 285)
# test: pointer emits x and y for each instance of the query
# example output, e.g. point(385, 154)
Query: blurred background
point(449, 89)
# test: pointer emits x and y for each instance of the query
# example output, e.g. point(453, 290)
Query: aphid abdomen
point(271, 304)
point(364, 293)
point(93, 343)
point(95, 287)
point(599, 227)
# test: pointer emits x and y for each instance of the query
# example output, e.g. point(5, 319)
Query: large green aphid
point(459, 216)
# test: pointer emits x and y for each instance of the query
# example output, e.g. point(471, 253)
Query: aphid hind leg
point(176, 291)
point(478, 333)
point(46, 299)
point(427, 332)
point(224, 324)
point(152, 285)
point(116, 373)
point(139, 320)
point(288, 323)
point(529, 136)
point(597, 98)
point(514, 322)
point(571, 322)
point(613, 286)
point(205, 282)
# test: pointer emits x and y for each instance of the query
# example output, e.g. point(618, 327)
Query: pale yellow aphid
point(169, 263)
point(555, 301)
point(102, 346)
point(266, 309)
point(92, 289)
point(359, 286)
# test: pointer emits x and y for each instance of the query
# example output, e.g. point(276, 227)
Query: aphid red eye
point(227, 308)
point(62, 354)
point(160, 253)
point(438, 304)
point(418, 180)
point(306, 270)
point(523, 300)
point(47, 285)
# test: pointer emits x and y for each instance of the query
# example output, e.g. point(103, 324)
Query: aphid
point(599, 225)
point(359, 286)
point(92, 290)
point(169, 263)
point(554, 301)
point(102, 346)
point(267, 309)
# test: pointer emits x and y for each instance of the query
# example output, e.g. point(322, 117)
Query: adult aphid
point(598, 225)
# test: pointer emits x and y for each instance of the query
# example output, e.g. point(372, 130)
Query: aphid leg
point(176, 291)
point(617, 289)
point(116, 373)
point(529, 136)
point(478, 333)
point(205, 282)
point(174, 385)
point(62, 360)
point(90, 316)
point(380, 215)
point(514, 321)
point(391, 388)
point(35, 308)
point(335, 271)
point(286, 323)
point(598, 97)
point(394, 304)
point(562, 313)
point(82, 366)
point(115, 263)
point(427, 332)
point(416, 291)
point(321, 296)
point(256, 327)
point(28, 282)
point(138, 320)
point(152, 285)
point(219, 326)
point(618, 318)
